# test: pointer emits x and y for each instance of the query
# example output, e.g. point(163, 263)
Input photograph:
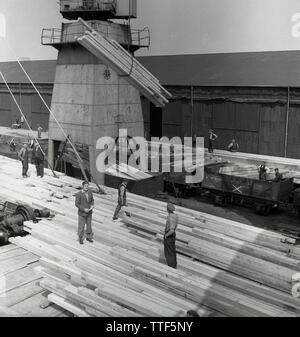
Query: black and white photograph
point(149, 161)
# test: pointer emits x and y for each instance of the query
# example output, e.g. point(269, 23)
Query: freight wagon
point(225, 188)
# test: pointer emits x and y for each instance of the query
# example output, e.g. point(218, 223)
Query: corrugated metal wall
point(30, 103)
point(256, 117)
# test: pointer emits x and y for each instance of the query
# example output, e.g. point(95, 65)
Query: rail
point(51, 36)
point(135, 37)
point(141, 37)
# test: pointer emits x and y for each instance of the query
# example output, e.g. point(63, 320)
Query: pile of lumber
point(124, 63)
point(288, 166)
point(20, 294)
point(225, 268)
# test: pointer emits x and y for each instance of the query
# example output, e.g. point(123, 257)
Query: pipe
point(287, 122)
point(192, 110)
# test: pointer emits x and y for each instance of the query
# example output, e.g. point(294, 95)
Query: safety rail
point(136, 37)
point(88, 5)
point(141, 37)
point(51, 36)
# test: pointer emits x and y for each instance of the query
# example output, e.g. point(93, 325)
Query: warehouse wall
point(256, 117)
point(258, 127)
point(293, 149)
point(30, 103)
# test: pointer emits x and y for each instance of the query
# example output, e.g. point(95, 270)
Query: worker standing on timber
point(122, 198)
point(262, 171)
point(233, 146)
point(38, 157)
point(84, 201)
point(12, 145)
point(39, 129)
point(278, 176)
point(211, 138)
point(170, 236)
point(22, 120)
point(23, 157)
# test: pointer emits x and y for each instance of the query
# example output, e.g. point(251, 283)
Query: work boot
point(115, 218)
point(128, 214)
point(90, 240)
point(81, 241)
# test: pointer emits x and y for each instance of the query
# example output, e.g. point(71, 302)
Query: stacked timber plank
point(225, 268)
point(20, 294)
point(288, 166)
point(112, 53)
point(124, 171)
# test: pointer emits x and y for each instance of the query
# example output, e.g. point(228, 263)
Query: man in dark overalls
point(211, 138)
point(122, 199)
point(233, 146)
point(170, 236)
point(262, 171)
point(278, 176)
point(84, 201)
point(38, 156)
point(23, 157)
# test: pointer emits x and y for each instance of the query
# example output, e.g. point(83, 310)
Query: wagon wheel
point(262, 209)
point(221, 200)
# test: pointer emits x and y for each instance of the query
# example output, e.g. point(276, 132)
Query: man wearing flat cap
point(23, 157)
point(170, 236)
point(84, 201)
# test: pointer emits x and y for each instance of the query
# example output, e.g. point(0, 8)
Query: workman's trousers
point(39, 165)
point(117, 210)
point(170, 250)
point(262, 176)
point(82, 221)
point(210, 146)
point(24, 168)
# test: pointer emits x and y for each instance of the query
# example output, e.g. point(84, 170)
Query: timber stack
point(225, 268)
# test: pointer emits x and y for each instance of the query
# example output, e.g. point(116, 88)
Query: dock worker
point(122, 198)
point(22, 120)
point(12, 145)
point(23, 157)
point(278, 176)
point(38, 158)
point(84, 201)
point(233, 146)
point(170, 236)
point(17, 124)
point(39, 130)
point(211, 138)
point(263, 170)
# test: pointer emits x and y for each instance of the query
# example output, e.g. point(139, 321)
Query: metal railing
point(136, 37)
point(51, 36)
point(140, 37)
point(88, 5)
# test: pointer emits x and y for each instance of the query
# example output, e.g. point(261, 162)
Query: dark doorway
point(155, 121)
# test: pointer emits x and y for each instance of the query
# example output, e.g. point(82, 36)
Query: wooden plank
point(31, 307)
point(67, 305)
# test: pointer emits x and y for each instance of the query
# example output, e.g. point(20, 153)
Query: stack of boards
point(289, 167)
point(225, 268)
